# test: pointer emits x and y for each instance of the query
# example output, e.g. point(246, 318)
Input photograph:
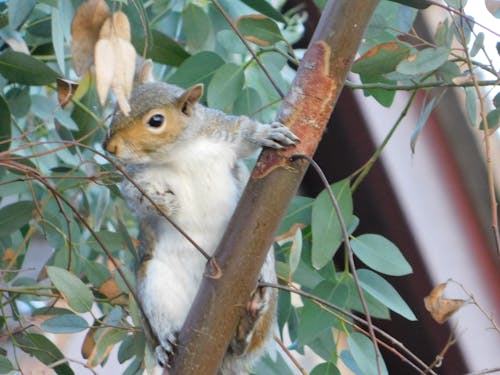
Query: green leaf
point(299, 212)
point(493, 119)
point(363, 352)
point(163, 49)
point(384, 97)
point(21, 68)
point(196, 25)
point(424, 61)
point(58, 38)
point(422, 120)
point(444, 34)
point(228, 79)
point(259, 30)
point(5, 365)
point(19, 12)
point(5, 125)
point(380, 254)
point(478, 44)
point(248, 102)
point(314, 320)
point(375, 307)
point(295, 251)
point(105, 343)
point(326, 232)
point(381, 59)
point(112, 240)
point(262, 6)
point(379, 288)
point(496, 100)
point(78, 296)
point(326, 368)
point(197, 68)
point(44, 350)
point(471, 104)
point(14, 216)
point(68, 323)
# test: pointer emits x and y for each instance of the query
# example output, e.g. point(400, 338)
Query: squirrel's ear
point(145, 72)
point(189, 98)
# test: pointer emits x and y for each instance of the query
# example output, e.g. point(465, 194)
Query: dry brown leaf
point(123, 77)
point(116, 26)
point(441, 308)
point(104, 67)
point(111, 290)
point(65, 91)
point(146, 72)
point(115, 60)
point(8, 255)
point(85, 28)
point(88, 346)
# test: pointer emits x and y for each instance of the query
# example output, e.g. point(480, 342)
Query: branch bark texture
point(306, 109)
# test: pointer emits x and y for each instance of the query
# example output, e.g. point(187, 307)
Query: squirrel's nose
point(110, 145)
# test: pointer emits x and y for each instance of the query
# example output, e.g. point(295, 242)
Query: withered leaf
point(65, 91)
point(117, 25)
point(87, 23)
point(441, 308)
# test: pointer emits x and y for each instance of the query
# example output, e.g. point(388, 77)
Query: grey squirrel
point(188, 159)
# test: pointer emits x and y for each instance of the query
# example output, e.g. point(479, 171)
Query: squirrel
point(188, 159)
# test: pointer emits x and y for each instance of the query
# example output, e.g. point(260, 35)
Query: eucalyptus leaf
point(229, 80)
point(424, 61)
point(248, 102)
point(69, 323)
point(5, 365)
point(379, 288)
point(259, 30)
point(19, 11)
point(457, 4)
point(163, 49)
point(265, 8)
point(5, 125)
point(380, 254)
point(299, 212)
point(363, 352)
point(478, 44)
point(422, 120)
point(15, 215)
point(314, 320)
point(493, 119)
point(196, 25)
point(78, 296)
point(326, 368)
point(21, 68)
point(44, 350)
point(380, 59)
point(326, 230)
point(197, 68)
point(471, 104)
point(58, 38)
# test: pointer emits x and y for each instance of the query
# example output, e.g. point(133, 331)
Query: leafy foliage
point(57, 186)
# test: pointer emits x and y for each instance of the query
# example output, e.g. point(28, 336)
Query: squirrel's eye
point(156, 121)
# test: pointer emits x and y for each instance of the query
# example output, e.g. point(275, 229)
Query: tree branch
point(306, 109)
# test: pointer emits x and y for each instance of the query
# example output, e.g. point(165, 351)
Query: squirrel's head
point(158, 116)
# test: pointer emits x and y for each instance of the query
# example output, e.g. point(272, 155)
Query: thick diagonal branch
point(306, 109)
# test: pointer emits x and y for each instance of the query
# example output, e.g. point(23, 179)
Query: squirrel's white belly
point(206, 195)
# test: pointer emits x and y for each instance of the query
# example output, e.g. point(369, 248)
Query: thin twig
point(347, 313)
point(290, 355)
point(440, 357)
point(369, 164)
point(416, 86)
point(350, 255)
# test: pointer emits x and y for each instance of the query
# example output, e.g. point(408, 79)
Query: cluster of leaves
point(56, 186)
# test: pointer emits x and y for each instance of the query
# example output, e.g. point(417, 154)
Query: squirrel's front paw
point(278, 136)
point(165, 352)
